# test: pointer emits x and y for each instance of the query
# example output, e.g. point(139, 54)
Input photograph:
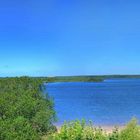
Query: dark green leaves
point(24, 112)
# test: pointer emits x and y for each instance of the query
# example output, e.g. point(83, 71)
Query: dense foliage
point(25, 113)
point(80, 131)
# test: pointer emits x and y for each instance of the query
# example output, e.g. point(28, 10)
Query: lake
point(111, 102)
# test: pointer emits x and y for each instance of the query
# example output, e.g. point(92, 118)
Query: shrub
point(131, 132)
point(17, 129)
point(25, 113)
point(114, 135)
point(77, 130)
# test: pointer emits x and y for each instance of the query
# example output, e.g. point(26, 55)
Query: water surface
point(111, 102)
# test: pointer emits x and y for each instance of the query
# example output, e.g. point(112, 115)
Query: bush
point(114, 135)
point(77, 130)
point(25, 113)
point(17, 129)
point(131, 132)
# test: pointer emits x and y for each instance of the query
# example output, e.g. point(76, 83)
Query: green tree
point(25, 113)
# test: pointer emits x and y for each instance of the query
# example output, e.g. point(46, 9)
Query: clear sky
point(69, 37)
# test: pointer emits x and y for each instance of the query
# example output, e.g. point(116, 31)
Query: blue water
point(112, 102)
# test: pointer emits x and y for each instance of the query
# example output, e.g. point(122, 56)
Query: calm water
point(110, 102)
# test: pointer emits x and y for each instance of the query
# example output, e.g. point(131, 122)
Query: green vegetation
point(77, 130)
point(74, 79)
point(25, 113)
point(89, 78)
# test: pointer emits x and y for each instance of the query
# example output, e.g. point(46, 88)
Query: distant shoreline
point(89, 78)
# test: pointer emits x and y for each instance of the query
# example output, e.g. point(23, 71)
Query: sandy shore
point(109, 129)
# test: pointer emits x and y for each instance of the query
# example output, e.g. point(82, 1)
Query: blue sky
point(69, 37)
